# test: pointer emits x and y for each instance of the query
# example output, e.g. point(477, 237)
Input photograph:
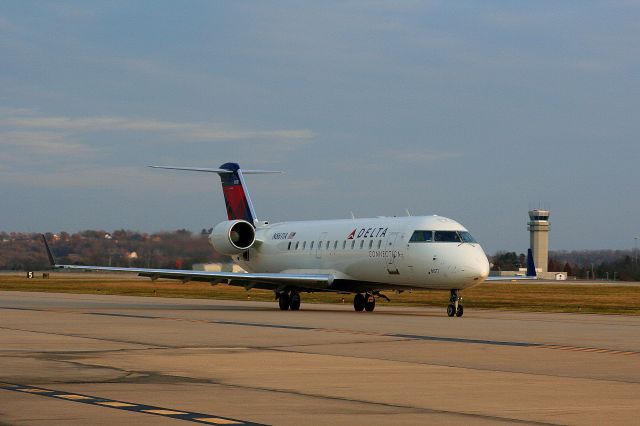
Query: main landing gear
point(455, 308)
point(366, 302)
point(288, 300)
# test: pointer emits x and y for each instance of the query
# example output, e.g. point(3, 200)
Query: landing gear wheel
point(454, 308)
point(451, 310)
point(283, 301)
point(294, 302)
point(370, 303)
point(359, 302)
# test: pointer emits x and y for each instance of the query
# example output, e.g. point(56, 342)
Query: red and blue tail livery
point(236, 198)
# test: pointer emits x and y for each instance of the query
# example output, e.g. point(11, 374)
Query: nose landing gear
point(455, 308)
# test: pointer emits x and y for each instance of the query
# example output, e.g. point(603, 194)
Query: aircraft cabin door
point(392, 254)
point(321, 244)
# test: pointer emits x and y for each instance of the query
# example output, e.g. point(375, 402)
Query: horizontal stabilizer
point(219, 171)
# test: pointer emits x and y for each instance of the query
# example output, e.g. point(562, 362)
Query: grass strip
point(531, 297)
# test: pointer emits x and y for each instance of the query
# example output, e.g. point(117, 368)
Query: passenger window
point(335, 245)
point(311, 248)
point(379, 244)
point(297, 244)
point(353, 244)
point(289, 246)
point(327, 246)
point(361, 244)
point(344, 244)
point(304, 245)
point(421, 237)
point(370, 244)
point(320, 245)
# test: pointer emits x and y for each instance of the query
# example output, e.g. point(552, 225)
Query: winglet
point(531, 267)
point(52, 261)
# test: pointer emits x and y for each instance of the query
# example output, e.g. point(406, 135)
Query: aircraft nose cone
point(478, 270)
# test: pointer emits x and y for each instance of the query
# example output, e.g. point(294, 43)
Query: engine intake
point(233, 237)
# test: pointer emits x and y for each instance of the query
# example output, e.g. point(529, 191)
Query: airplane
point(361, 256)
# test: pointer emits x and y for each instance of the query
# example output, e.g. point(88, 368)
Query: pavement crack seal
point(290, 349)
point(126, 406)
point(319, 329)
point(411, 408)
point(81, 336)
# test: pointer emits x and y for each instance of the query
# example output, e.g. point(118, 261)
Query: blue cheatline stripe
point(189, 416)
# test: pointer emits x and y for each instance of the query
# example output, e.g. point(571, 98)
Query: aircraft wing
point(317, 282)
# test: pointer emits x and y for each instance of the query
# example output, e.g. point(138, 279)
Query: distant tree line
point(583, 264)
point(175, 250)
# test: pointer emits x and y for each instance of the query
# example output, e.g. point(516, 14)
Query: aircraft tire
point(358, 302)
point(460, 311)
point(284, 301)
point(451, 310)
point(369, 303)
point(294, 302)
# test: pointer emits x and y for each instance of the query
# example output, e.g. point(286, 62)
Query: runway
point(79, 359)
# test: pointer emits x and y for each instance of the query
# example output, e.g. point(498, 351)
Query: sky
point(474, 110)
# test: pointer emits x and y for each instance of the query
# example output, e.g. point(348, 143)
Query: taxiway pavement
point(86, 359)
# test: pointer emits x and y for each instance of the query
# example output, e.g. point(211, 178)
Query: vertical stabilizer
point(531, 267)
point(236, 195)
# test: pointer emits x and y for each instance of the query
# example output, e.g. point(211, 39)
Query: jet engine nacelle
point(233, 237)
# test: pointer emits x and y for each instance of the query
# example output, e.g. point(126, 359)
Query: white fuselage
point(374, 250)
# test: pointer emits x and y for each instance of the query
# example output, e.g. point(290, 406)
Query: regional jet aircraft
point(361, 256)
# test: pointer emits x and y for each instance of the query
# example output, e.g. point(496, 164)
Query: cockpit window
point(442, 237)
point(467, 238)
point(447, 237)
point(421, 237)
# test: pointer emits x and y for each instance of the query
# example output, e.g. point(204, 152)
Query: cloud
point(44, 142)
point(127, 179)
point(186, 131)
point(45, 150)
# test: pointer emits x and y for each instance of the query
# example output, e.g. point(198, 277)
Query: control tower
point(539, 237)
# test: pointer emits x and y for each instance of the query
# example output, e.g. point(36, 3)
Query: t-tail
point(236, 195)
point(531, 267)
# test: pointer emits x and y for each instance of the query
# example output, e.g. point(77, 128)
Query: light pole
point(635, 250)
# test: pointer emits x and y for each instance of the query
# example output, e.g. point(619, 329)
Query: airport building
point(538, 227)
